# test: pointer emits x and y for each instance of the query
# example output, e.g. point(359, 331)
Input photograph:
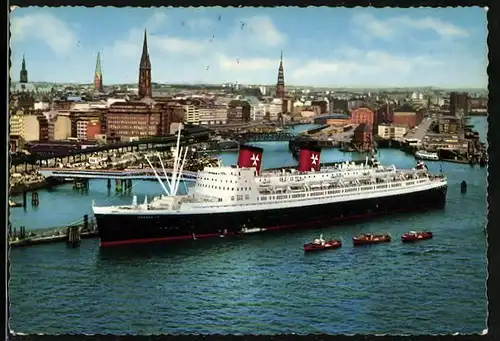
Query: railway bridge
point(127, 174)
point(80, 155)
point(265, 137)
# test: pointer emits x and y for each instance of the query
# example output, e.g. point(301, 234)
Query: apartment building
point(139, 119)
point(61, 128)
point(274, 110)
point(215, 114)
point(191, 114)
point(392, 131)
point(363, 115)
point(36, 128)
point(17, 125)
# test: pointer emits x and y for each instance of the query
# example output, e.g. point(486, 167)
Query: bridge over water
point(129, 174)
point(266, 137)
point(80, 155)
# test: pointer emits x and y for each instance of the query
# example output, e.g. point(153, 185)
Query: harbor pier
point(70, 234)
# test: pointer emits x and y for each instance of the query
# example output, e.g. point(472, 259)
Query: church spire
point(23, 77)
point(145, 62)
point(98, 73)
point(145, 86)
point(280, 85)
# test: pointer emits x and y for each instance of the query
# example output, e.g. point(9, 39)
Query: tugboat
point(320, 244)
point(414, 236)
point(369, 238)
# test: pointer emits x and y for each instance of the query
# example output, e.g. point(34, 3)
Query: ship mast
point(164, 171)
point(157, 176)
point(176, 176)
point(179, 161)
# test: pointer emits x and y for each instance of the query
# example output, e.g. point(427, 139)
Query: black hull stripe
point(139, 229)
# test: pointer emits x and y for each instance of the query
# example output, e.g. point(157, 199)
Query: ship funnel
point(250, 156)
point(309, 159)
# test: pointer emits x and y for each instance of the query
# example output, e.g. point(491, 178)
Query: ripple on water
point(264, 284)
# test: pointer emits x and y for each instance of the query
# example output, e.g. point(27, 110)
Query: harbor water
point(260, 284)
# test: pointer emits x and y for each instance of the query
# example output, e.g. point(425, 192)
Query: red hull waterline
point(415, 237)
point(329, 245)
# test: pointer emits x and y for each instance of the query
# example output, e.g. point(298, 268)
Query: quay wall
point(35, 185)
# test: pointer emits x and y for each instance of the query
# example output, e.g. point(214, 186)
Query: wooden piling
point(74, 236)
point(85, 222)
point(463, 187)
point(35, 199)
point(25, 199)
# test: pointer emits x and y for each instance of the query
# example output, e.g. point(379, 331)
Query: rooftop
point(404, 113)
point(333, 116)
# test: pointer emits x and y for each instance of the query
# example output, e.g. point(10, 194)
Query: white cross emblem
point(255, 159)
point(314, 158)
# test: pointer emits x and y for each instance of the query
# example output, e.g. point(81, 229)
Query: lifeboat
point(368, 238)
point(413, 236)
point(320, 244)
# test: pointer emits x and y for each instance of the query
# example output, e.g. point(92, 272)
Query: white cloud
point(247, 64)
point(176, 45)
point(46, 28)
point(260, 29)
point(156, 21)
point(361, 66)
point(391, 27)
point(370, 25)
point(199, 23)
point(206, 50)
point(258, 34)
point(442, 28)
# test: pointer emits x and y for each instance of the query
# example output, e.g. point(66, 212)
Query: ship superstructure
point(242, 199)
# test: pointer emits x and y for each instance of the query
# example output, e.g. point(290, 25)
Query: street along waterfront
point(261, 283)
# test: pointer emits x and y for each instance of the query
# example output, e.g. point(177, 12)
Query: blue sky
point(321, 46)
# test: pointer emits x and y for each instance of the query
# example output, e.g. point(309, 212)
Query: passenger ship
point(241, 199)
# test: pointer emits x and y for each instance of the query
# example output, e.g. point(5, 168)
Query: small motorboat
point(320, 244)
point(15, 204)
point(414, 236)
point(369, 238)
point(425, 155)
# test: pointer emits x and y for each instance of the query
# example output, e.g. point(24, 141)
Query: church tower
point(145, 86)
point(23, 77)
point(98, 74)
point(280, 86)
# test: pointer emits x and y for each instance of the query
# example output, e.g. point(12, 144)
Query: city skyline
point(339, 47)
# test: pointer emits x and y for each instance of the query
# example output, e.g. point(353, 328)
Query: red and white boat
point(369, 238)
point(414, 236)
point(320, 244)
